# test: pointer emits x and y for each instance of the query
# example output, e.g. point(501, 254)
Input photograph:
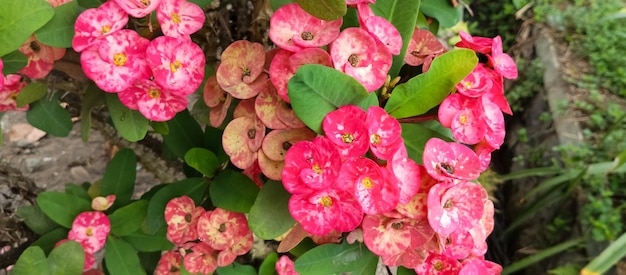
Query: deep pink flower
point(407, 174)
point(456, 207)
point(477, 83)
point(41, 57)
point(373, 187)
point(320, 212)
point(502, 62)
point(464, 116)
point(346, 128)
point(476, 43)
point(292, 29)
point(439, 265)
point(241, 71)
point(201, 259)
point(13, 84)
point(483, 150)
point(92, 24)
point(181, 216)
point(138, 8)
point(285, 64)
point(450, 160)
point(285, 266)
point(169, 263)
point(117, 61)
point(390, 236)
point(384, 133)
point(91, 230)
point(177, 64)
point(152, 101)
point(479, 266)
point(179, 18)
point(222, 229)
point(423, 46)
point(458, 244)
point(495, 123)
point(311, 165)
point(496, 93)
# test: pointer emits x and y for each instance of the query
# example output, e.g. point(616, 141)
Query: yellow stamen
point(119, 59)
point(375, 139)
point(326, 201)
point(438, 266)
point(468, 84)
point(448, 204)
point(154, 93)
point(175, 18)
point(347, 138)
point(89, 232)
point(145, 2)
point(367, 183)
point(463, 119)
point(175, 66)
point(317, 169)
point(106, 29)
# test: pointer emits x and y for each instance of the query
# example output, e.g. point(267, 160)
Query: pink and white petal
point(108, 77)
point(218, 113)
point(407, 174)
point(309, 56)
point(277, 142)
point(161, 107)
point(384, 235)
point(179, 18)
point(315, 212)
point(213, 94)
point(290, 23)
point(234, 141)
point(280, 72)
point(95, 23)
point(385, 32)
point(354, 47)
point(373, 75)
point(266, 108)
point(138, 9)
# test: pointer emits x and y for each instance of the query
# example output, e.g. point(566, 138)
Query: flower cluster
point(153, 77)
point(204, 240)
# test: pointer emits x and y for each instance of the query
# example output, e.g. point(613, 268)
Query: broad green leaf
point(236, 269)
point(403, 15)
point(193, 187)
point(201, 3)
point(36, 219)
point(415, 138)
point(185, 133)
point(540, 255)
point(315, 90)
point(202, 160)
point(269, 216)
point(324, 9)
point(129, 218)
point(443, 11)
point(59, 31)
point(160, 127)
point(87, 4)
point(268, 266)
point(213, 141)
point(31, 93)
point(427, 90)
point(336, 258)
point(149, 243)
point(67, 259)
point(19, 19)
point(607, 258)
point(76, 190)
point(93, 97)
point(32, 261)
point(275, 4)
point(119, 177)
point(130, 124)
point(13, 62)
point(619, 160)
point(50, 117)
point(62, 208)
point(121, 258)
point(233, 191)
point(149, 260)
point(47, 241)
point(405, 271)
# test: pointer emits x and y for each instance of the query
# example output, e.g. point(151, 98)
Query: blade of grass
point(609, 256)
point(541, 255)
point(532, 172)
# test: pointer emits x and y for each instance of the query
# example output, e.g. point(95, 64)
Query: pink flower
point(384, 133)
point(450, 160)
point(92, 24)
point(373, 187)
point(482, 229)
point(138, 8)
point(385, 32)
point(91, 230)
point(240, 247)
point(457, 207)
point(13, 84)
point(495, 123)
point(439, 265)
point(117, 62)
point(217, 99)
point(477, 83)
point(152, 101)
point(320, 212)
point(242, 138)
point(266, 106)
point(407, 174)
point(422, 47)
point(292, 29)
point(285, 64)
point(311, 165)
point(181, 216)
point(56, 3)
point(346, 128)
point(102, 203)
point(389, 236)
point(285, 266)
point(479, 266)
point(223, 229)
point(458, 244)
point(241, 70)
point(464, 116)
point(177, 64)
point(1, 75)
point(169, 263)
point(476, 43)
point(201, 259)
point(179, 18)
point(502, 62)
point(355, 2)
point(41, 57)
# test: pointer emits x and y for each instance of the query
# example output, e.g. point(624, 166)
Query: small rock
point(25, 134)
point(79, 174)
point(34, 164)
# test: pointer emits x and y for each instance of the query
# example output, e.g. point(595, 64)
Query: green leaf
point(149, 260)
point(427, 90)
point(201, 3)
point(87, 4)
point(93, 97)
point(160, 127)
point(403, 15)
point(275, 4)
point(607, 258)
point(532, 172)
point(233, 191)
point(268, 266)
point(119, 177)
point(193, 187)
point(324, 9)
point(19, 19)
point(405, 271)
point(129, 218)
point(236, 269)
point(59, 31)
point(13, 62)
point(76, 190)
point(213, 141)
point(619, 160)
point(337, 258)
point(149, 243)
point(540, 255)
point(202, 160)
point(315, 90)
point(130, 124)
point(31, 93)
point(50, 117)
point(185, 133)
point(269, 216)
point(121, 258)
point(443, 11)
point(32, 261)
point(36, 219)
point(47, 241)
point(415, 138)
point(62, 208)
point(67, 259)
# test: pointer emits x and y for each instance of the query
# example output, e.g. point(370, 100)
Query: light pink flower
point(502, 62)
point(241, 71)
point(406, 173)
point(152, 101)
point(347, 129)
point(217, 99)
point(292, 29)
point(222, 229)
point(450, 160)
point(240, 247)
point(169, 263)
point(482, 229)
point(91, 230)
point(456, 207)
point(179, 18)
point(177, 64)
point(92, 24)
point(457, 244)
point(311, 165)
point(385, 235)
point(422, 47)
point(181, 217)
point(385, 32)
point(242, 138)
point(477, 83)
point(266, 106)
point(138, 8)
point(13, 84)
point(102, 203)
point(41, 57)
point(464, 116)
point(117, 61)
point(285, 266)
point(384, 133)
point(202, 259)
point(320, 212)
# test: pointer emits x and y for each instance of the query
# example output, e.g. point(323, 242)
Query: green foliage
point(50, 117)
point(131, 124)
point(32, 261)
point(121, 258)
point(55, 205)
point(528, 84)
point(19, 19)
point(202, 160)
point(337, 258)
point(324, 9)
point(59, 31)
point(446, 14)
point(119, 177)
point(233, 191)
point(129, 218)
point(269, 215)
point(13, 62)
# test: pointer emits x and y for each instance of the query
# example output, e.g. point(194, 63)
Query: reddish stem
point(417, 119)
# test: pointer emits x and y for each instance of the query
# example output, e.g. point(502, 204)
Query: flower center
point(468, 84)
point(317, 169)
point(326, 201)
point(347, 138)
point(463, 119)
point(353, 59)
point(175, 66)
point(89, 231)
point(375, 139)
point(415, 53)
point(307, 36)
point(106, 29)
point(447, 167)
point(154, 93)
point(145, 2)
point(286, 145)
point(448, 204)
point(188, 217)
point(34, 46)
point(438, 265)
point(222, 228)
point(119, 59)
point(13, 96)
point(244, 72)
point(175, 18)
point(367, 182)
point(251, 133)
point(396, 225)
